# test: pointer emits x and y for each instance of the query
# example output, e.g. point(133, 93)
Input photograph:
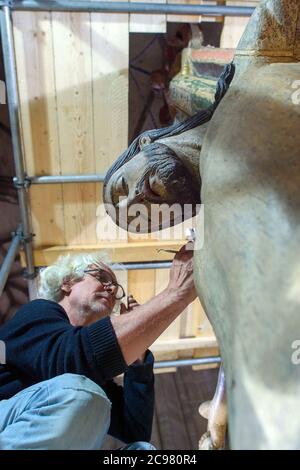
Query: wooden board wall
point(73, 84)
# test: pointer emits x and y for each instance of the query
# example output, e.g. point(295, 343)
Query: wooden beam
point(119, 252)
point(184, 343)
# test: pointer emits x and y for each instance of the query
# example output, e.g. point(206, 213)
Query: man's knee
point(85, 412)
point(75, 382)
point(76, 394)
point(73, 413)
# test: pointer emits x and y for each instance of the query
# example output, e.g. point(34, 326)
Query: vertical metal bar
point(13, 107)
point(9, 259)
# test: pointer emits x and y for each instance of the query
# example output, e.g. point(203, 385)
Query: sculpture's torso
point(248, 273)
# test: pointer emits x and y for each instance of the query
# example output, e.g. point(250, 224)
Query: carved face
point(152, 178)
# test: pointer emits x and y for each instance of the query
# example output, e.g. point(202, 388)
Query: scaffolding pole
point(144, 265)
point(10, 258)
point(61, 179)
point(188, 362)
point(128, 7)
point(13, 107)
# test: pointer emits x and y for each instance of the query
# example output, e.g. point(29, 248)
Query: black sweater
point(41, 344)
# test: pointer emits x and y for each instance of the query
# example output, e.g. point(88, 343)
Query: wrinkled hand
point(182, 274)
point(132, 304)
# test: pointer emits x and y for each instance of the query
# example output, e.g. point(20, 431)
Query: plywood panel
point(73, 77)
point(141, 284)
point(110, 58)
point(140, 23)
point(38, 113)
point(73, 82)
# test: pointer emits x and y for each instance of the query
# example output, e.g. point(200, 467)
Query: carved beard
point(179, 184)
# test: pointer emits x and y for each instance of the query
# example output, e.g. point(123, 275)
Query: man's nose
point(109, 288)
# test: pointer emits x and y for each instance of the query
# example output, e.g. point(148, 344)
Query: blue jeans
point(66, 412)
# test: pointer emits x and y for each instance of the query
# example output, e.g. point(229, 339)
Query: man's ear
point(66, 288)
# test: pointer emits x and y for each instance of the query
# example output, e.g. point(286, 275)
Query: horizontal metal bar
point(145, 265)
point(9, 259)
point(66, 179)
point(188, 362)
point(126, 7)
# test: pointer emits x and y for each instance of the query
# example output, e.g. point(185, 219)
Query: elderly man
point(63, 351)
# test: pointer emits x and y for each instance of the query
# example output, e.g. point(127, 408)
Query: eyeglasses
point(107, 281)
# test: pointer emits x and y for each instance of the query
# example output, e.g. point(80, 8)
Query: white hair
point(69, 268)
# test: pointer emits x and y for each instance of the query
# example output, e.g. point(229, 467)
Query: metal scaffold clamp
point(6, 3)
point(25, 184)
point(23, 238)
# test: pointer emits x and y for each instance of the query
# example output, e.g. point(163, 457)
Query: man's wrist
point(176, 297)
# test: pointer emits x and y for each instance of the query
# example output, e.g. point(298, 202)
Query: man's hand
point(132, 304)
point(145, 323)
point(182, 274)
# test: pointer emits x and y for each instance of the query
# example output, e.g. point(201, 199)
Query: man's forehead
point(103, 266)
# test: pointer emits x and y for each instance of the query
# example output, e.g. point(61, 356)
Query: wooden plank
point(194, 388)
point(156, 431)
point(119, 252)
point(38, 113)
point(169, 411)
point(183, 343)
point(234, 26)
point(194, 18)
point(73, 79)
point(110, 58)
point(141, 284)
point(140, 23)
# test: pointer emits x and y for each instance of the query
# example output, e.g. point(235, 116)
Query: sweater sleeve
point(133, 404)
point(41, 343)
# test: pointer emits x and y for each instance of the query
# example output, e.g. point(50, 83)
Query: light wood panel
point(38, 113)
point(73, 79)
point(110, 58)
point(234, 26)
point(140, 23)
